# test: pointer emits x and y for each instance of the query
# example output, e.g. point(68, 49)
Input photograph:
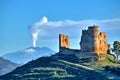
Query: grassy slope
point(62, 67)
point(109, 61)
point(100, 66)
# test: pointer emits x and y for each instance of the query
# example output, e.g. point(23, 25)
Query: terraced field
point(60, 67)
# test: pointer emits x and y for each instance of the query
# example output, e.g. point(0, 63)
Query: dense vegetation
point(116, 48)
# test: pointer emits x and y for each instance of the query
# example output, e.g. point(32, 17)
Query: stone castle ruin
point(91, 42)
point(64, 41)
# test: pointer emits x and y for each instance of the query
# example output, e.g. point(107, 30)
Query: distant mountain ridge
point(25, 55)
point(6, 66)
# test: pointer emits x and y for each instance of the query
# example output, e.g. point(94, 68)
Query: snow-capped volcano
point(28, 54)
point(28, 50)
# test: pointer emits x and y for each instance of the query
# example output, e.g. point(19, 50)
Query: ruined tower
point(64, 41)
point(92, 41)
point(95, 38)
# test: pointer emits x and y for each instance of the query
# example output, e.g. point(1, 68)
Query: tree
point(116, 48)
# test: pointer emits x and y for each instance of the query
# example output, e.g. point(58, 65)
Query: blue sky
point(17, 15)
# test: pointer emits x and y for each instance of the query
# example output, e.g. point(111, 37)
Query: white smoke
point(44, 20)
point(34, 29)
point(35, 37)
point(51, 29)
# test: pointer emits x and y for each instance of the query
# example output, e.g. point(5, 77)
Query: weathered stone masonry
point(93, 41)
point(64, 42)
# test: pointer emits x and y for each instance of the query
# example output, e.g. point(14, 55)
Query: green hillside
point(61, 67)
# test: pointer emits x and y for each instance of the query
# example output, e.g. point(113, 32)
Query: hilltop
point(62, 67)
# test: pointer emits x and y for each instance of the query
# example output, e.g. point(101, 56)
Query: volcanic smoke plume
point(35, 29)
point(51, 29)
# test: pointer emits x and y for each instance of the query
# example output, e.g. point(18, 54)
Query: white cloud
point(51, 29)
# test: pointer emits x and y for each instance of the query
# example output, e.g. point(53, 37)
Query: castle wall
point(64, 41)
point(92, 41)
point(89, 40)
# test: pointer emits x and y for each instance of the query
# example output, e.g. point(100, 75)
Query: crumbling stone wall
point(64, 41)
point(93, 41)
